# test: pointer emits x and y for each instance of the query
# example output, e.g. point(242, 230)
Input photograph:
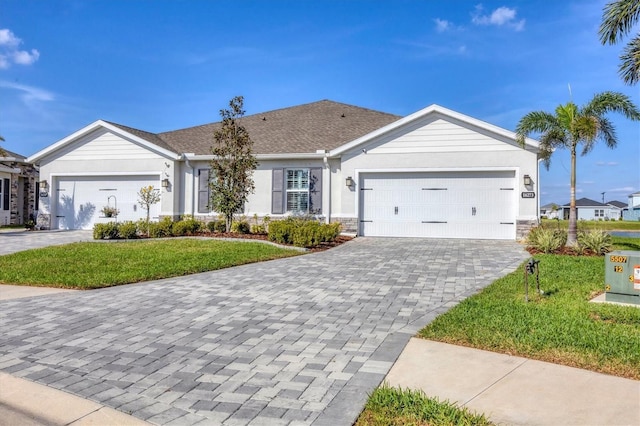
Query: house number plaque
point(530, 194)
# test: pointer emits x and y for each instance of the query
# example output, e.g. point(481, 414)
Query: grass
point(560, 326)
point(94, 265)
point(610, 225)
point(395, 407)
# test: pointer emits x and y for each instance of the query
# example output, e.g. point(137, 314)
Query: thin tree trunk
point(572, 233)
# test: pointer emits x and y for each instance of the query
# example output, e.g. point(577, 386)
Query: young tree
point(571, 126)
point(231, 177)
point(148, 196)
point(2, 151)
point(618, 19)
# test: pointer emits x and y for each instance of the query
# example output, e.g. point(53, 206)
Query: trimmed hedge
point(302, 232)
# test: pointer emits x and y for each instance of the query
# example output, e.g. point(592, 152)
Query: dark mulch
point(323, 246)
point(565, 251)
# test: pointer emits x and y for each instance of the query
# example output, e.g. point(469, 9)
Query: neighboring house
point(18, 189)
point(592, 210)
point(434, 173)
point(550, 211)
point(633, 207)
point(617, 208)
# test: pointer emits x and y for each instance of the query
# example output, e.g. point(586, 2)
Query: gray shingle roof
point(586, 202)
point(618, 204)
point(11, 154)
point(322, 125)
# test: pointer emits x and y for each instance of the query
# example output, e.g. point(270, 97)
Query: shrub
point(240, 226)
point(161, 229)
point(302, 232)
point(218, 226)
point(258, 229)
point(186, 226)
point(103, 231)
point(127, 230)
point(599, 242)
point(546, 240)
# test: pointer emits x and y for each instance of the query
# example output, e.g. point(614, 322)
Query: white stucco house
point(632, 212)
point(588, 209)
point(434, 173)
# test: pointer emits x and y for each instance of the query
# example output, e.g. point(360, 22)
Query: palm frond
point(630, 62)
point(605, 102)
point(618, 19)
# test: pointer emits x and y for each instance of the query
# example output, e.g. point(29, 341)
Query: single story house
point(587, 209)
point(18, 189)
point(550, 211)
point(633, 207)
point(434, 173)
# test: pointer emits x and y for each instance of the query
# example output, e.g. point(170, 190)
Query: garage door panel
point(80, 199)
point(440, 205)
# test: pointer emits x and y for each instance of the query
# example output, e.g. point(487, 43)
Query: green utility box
point(622, 277)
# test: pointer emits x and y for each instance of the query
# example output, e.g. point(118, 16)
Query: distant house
point(633, 207)
point(592, 210)
point(617, 208)
point(550, 211)
point(18, 189)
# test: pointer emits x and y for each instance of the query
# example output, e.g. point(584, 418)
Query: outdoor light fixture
point(44, 185)
point(527, 180)
point(349, 181)
point(165, 183)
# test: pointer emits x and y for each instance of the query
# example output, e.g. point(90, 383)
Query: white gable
point(438, 135)
point(105, 145)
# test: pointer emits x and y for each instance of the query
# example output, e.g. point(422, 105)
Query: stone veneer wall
point(523, 227)
point(349, 224)
point(29, 176)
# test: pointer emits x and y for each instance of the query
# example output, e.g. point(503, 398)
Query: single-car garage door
point(80, 199)
point(474, 204)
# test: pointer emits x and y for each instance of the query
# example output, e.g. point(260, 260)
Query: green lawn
point(94, 264)
point(560, 327)
point(611, 225)
point(395, 407)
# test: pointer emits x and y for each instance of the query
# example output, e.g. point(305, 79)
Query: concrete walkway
point(516, 391)
point(13, 241)
point(292, 341)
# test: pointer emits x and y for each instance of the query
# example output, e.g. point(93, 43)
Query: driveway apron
point(292, 341)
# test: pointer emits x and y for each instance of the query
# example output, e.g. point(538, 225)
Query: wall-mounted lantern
point(349, 182)
point(165, 183)
point(44, 185)
point(527, 180)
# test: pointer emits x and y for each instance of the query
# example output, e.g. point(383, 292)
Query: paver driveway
point(292, 341)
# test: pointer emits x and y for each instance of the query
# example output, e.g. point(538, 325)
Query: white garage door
point(80, 199)
point(439, 204)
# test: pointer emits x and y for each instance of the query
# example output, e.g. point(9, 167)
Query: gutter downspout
point(328, 168)
point(193, 183)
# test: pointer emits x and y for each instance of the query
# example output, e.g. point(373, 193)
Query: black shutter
point(277, 191)
point(315, 190)
point(6, 194)
point(203, 191)
point(37, 200)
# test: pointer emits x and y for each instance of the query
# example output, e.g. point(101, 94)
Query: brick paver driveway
point(291, 341)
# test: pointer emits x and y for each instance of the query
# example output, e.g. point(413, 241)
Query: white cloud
point(29, 93)
point(607, 163)
point(9, 52)
point(442, 25)
point(502, 16)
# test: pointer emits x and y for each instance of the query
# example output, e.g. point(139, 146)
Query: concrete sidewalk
point(516, 391)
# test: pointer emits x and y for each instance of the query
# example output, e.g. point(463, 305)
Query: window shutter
point(5, 195)
point(315, 190)
point(277, 191)
point(203, 191)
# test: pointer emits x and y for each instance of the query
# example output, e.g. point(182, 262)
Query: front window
point(298, 190)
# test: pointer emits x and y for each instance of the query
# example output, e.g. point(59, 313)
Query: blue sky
point(164, 65)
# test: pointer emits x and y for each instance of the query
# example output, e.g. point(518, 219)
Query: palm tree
point(571, 126)
point(618, 18)
point(2, 151)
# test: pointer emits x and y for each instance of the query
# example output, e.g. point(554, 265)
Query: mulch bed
point(263, 237)
point(565, 251)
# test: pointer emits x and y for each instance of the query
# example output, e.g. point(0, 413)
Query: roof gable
point(432, 114)
point(96, 126)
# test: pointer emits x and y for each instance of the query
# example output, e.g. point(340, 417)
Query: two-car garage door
point(80, 199)
point(474, 204)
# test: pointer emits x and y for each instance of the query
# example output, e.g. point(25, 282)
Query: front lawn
point(94, 265)
point(560, 326)
point(605, 225)
point(395, 407)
